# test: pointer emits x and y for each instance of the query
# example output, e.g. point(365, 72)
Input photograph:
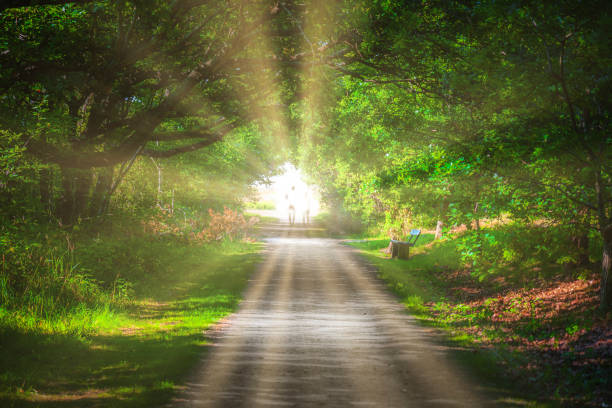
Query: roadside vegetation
point(113, 314)
point(111, 271)
point(123, 169)
point(532, 321)
point(116, 321)
point(449, 115)
point(261, 205)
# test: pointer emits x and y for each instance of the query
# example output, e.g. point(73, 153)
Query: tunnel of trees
point(453, 112)
point(428, 114)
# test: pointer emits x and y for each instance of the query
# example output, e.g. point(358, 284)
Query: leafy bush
point(162, 223)
point(490, 251)
point(218, 226)
point(399, 223)
point(229, 225)
point(17, 176)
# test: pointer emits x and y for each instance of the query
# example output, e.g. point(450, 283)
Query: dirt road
point(317, 329)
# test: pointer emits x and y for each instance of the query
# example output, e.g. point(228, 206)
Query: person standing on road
point(306, 209)
point(291, 201)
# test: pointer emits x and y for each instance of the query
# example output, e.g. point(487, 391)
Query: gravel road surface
point(318, 329)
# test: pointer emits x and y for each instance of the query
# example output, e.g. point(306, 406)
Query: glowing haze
point(306, 197)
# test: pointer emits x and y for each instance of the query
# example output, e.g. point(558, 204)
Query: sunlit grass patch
point(135, 355)
point(424, 283)
point(261, 205)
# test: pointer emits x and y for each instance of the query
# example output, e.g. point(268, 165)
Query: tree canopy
point(457, 111)
point(404, 112)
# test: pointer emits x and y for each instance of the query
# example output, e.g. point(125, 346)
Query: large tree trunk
point(104, 182)
point(606, 266)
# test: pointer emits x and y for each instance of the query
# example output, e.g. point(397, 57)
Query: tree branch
point(7, 4)
point(193, 134)
point(179, 150)
point(210, 138)
point(79, 160)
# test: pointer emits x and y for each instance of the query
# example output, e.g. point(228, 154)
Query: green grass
point(422, 284)
point(261, 205)
point(131, 354)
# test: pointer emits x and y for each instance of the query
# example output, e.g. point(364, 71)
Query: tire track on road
point(318, 329)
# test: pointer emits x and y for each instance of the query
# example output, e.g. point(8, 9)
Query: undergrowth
point(531, 313)
point(112, 314)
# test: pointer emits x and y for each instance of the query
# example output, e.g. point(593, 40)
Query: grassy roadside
point(540, 339)
point(134, 353)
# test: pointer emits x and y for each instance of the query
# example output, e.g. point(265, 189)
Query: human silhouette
point(291, 201)
point(306, 208)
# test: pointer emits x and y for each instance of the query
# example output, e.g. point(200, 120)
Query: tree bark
point(606, 266)
point(104, 181)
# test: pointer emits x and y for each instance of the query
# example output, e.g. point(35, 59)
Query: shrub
point(226, 225)
point(491, 250)
point(47, 282)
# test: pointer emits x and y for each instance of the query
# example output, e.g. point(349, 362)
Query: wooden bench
point(401, 249)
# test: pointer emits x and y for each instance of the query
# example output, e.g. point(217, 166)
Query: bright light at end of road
point(281, 193)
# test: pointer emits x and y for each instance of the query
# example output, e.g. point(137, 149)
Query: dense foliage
point(125, 128)
point(455, 113)
point(89, 88)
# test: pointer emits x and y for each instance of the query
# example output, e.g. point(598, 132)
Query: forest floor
point(546, 334)
point(132, 356)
